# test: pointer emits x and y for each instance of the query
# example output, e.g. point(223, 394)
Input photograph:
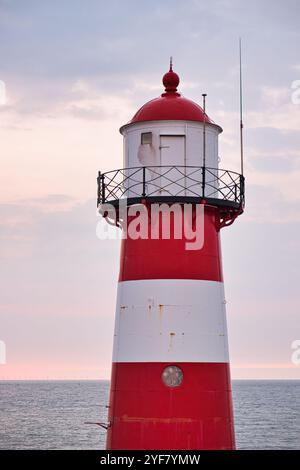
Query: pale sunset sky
point(71, 74)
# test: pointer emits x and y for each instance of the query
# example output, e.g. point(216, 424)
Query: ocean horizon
point(51, 414)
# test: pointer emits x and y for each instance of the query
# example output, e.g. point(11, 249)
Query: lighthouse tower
point(170, 383)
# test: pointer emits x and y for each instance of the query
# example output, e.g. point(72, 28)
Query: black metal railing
point(172, 183)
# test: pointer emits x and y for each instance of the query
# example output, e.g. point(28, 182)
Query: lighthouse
point(170, 383)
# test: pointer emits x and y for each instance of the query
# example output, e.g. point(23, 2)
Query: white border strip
point(170, 321)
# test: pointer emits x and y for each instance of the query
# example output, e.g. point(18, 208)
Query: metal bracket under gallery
point(183, 184)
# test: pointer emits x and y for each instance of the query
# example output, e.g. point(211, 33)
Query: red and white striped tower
point(170, 384)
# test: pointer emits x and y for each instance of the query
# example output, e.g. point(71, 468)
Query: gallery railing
point(172, 184)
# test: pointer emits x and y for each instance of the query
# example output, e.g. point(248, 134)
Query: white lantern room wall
point(168, 143)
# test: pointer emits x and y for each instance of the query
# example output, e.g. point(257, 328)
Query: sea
point(53, 414)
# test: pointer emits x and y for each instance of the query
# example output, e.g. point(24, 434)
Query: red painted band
point(169, 259)
point(146, 414)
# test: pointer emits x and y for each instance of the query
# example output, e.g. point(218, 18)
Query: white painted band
point(170, 320)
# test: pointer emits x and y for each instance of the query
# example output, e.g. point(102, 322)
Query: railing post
point(203, 181)
point(102, 189)
point(98, 188)
point(242, 188)
point(144, 181)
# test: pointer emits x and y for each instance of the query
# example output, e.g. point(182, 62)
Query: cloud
point(271, 139)
point(49, 200)
point(276, 163)
point(273, 150)
point(58, 292)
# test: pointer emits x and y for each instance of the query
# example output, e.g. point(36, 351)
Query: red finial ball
point(171, 80)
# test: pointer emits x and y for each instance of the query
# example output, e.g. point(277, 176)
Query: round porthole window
point(172, 376)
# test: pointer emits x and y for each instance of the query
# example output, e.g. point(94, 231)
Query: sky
point(71, 74)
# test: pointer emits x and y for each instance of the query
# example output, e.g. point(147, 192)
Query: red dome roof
point(170, 105)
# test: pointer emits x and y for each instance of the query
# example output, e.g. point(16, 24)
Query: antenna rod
point(241, 108)
point(204, 129)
